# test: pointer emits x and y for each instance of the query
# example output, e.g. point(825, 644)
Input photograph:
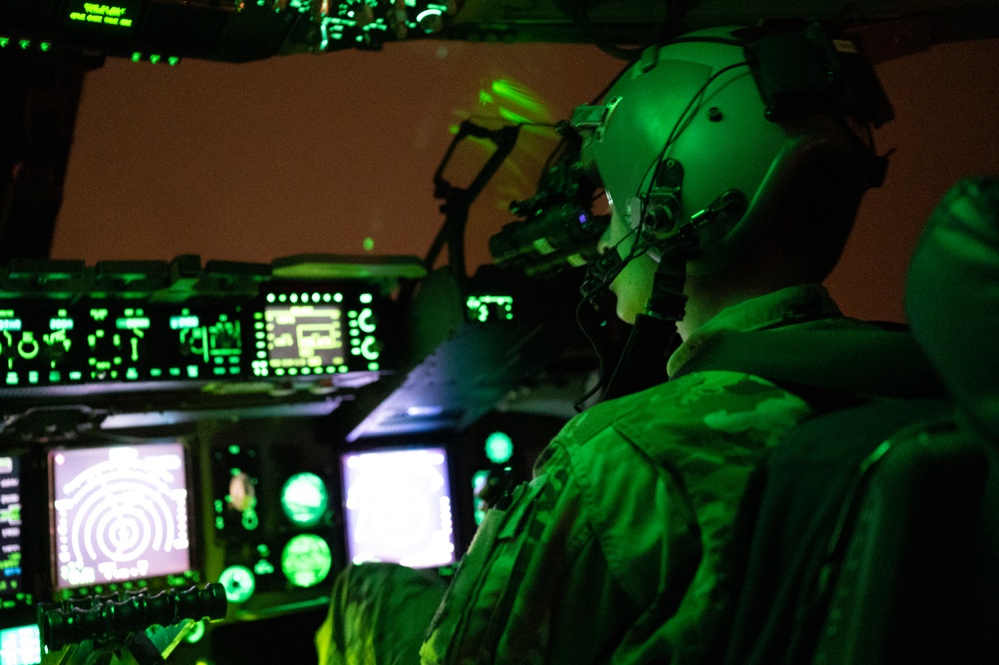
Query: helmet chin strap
point(642, 363)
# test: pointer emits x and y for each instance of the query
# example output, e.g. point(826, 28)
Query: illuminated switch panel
point(45, 345)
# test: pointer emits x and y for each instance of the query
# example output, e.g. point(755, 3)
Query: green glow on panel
point(196, 633)
point(306, 560)
point(499, 447)
point(173, 60)
point(304, 499)
point(518, 94)
point(136, 56)
point(516, 118)
point(239, 583)
point(368, 244)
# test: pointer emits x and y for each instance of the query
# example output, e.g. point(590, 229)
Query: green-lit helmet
point(686, 133)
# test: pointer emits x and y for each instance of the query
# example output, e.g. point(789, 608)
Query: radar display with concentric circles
point(120, 513)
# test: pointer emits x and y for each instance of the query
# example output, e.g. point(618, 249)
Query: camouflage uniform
point(614, 551)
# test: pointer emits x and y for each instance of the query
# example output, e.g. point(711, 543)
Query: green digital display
point(238, 582)
point(306, 560)
point(310, 332)
point(483, 308)
point(304, 499)
point(306, 335)
point(35, 346)
point(111, 16)
point(215, 341)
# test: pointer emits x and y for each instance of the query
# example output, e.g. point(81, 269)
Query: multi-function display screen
point(312, 332)
point(398, 506)
point(304, 337)
point(120, 513)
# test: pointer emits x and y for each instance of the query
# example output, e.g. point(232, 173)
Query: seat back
point(871, 534)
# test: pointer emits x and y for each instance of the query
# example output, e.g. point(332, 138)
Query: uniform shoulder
point(692, 407)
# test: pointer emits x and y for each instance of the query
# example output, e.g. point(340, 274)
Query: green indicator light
point(183, 322)
point(263, 567)
point(45, 46)
point(306, 560)
point(196, 633)
point(75, 376)
point(366, 298)
point(304, 499)
point(25, 44)
point(98, 314)
point(270, 297)
point(132, 323)
point(368, 244)
point(136, 56)
point(156, 371)
point(369, 348)
point(4, 41)
point(234, 450)
point(173, 61)
point(60, 324)
point(154, 58)
point(238, 582)
point(499, 447)
point(366, 320)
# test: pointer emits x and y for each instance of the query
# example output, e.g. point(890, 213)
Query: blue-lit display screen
point(398, 506)
point(10, 528)
point(20, 646)
point(120, 513)
point(310, 332)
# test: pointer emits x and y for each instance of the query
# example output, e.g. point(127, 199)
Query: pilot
point(732, 195)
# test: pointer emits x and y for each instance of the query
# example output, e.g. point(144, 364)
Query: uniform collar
point(795, 304)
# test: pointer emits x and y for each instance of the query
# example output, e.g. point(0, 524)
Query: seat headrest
point(952, 296)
